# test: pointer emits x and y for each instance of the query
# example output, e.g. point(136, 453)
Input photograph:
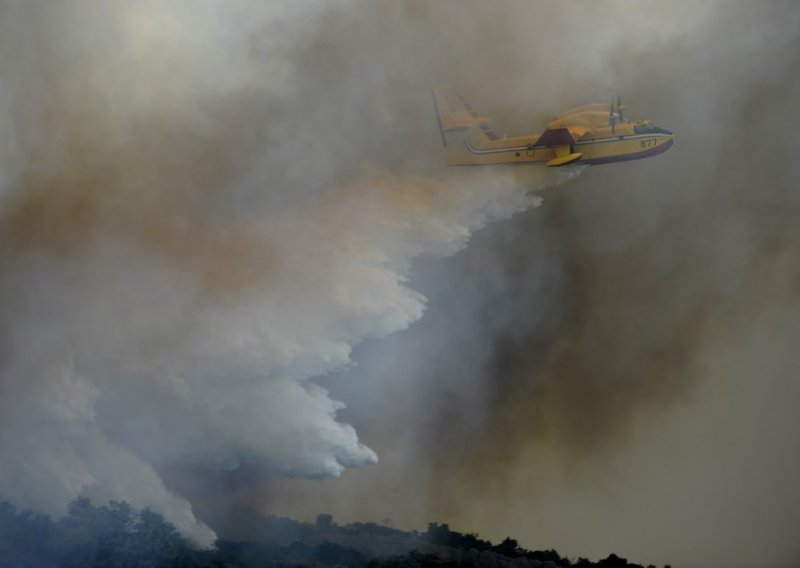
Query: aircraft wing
point(563, 132)
point(455, 113)
point(589, 116)
point(561, 139)
point(576, 131)
point(559, 133)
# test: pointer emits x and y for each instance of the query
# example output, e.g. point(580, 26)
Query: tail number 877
point(648, 142)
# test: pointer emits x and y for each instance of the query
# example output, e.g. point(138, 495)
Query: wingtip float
point(589, 134)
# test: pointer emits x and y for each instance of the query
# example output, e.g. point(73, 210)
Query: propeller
point(612, 119)
point(620, 107)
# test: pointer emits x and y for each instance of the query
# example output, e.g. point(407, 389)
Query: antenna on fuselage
point(620, 107)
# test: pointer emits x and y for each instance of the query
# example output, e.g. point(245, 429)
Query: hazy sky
point(223, 221)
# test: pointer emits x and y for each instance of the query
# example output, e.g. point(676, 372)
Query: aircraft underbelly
point(605, 151)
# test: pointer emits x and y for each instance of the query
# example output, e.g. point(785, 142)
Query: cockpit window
point(649, 129)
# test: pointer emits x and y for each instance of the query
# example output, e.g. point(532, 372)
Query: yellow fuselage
point(600, 146)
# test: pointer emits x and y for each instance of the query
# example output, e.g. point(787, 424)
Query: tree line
point(116, 535)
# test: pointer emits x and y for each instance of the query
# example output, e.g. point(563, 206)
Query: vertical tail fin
point(456, 117)
point(457, 122)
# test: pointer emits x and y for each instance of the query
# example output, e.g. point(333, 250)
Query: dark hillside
point(117, 536)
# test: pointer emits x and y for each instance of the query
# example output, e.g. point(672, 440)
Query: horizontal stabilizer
point(564, 160)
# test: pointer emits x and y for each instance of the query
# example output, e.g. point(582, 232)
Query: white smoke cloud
point(118, 362)
point(145, 327)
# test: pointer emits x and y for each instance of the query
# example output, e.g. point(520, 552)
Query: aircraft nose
point(668, 135)
point(670, 140)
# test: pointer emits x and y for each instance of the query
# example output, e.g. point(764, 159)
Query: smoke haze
point(208, 207)
point(156, 326)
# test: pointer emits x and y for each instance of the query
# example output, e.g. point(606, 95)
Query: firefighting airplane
point(589, 134)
